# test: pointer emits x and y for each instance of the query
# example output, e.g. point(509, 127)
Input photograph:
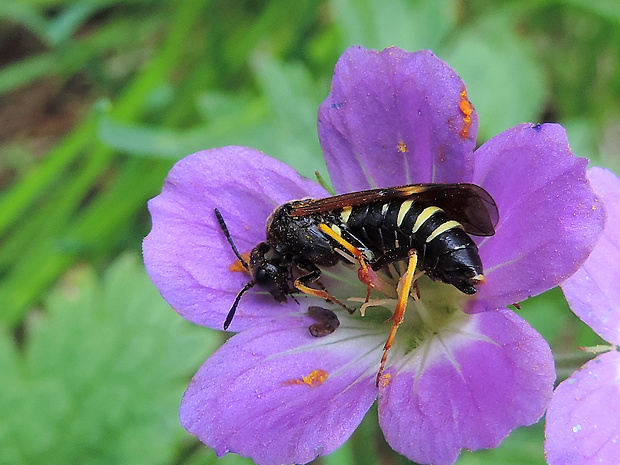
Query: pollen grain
point(385, 380)
point(237, 265)
point(314, 379)
point(467, 109)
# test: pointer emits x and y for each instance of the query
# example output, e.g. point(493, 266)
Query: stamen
point(397, 284)
point(392, 271)
point(372, 303)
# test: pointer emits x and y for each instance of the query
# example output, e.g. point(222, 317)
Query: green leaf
point(608, 9)
point(293, 99)
point(206, 456)
point(584, 138)
point(282, 123)
point(523, 446)
point(233, 120)
point(101, 375)
point(64, 25)
point(411, 25)
point(503, 79)
point(53, 31)
point(341, 456)
point(147, 140)
point(25, 15)
point(548, 313)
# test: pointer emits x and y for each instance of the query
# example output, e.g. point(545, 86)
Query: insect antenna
point(249, 285)
point(233, 309)
point(220, 219)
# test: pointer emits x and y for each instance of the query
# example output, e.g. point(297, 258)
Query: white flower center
point(434, 317)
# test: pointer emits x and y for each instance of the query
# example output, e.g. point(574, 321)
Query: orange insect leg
point(406, 283)
point(320, 293)
point(365, 273)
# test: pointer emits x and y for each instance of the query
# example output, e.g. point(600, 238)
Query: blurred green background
point(99, 98)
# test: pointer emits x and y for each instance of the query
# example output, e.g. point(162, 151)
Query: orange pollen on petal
point(402, 147)
point(467, 109)
point(314, 379)
point(237, 265)
point(385, 380)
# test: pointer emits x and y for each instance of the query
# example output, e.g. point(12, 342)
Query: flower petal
point(278, 395)
point(550, 219)
point(593, 292)
point(583, 425)
point(494, 374)
point(186, 253)
point(395, 117)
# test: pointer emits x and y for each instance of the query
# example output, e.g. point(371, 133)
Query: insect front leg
point(302, 283)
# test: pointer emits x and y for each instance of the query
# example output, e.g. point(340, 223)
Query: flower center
point(431, 307)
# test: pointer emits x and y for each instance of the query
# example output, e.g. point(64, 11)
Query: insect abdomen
point(403, 225)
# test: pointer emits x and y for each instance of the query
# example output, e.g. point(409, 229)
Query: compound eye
point(263, 248)
point(262, 276)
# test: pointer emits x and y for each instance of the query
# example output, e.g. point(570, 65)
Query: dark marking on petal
point(326, 321)
point(537, 127)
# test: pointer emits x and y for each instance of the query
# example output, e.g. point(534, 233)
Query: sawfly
point(428, 225)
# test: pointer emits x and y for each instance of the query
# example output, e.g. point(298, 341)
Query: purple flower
point(583, 425)
point(464, 370)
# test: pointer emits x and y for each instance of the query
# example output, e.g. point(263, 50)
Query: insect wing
point(353, 199)
point(466, 203)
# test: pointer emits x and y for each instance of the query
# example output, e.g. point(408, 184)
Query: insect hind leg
point(405, 285)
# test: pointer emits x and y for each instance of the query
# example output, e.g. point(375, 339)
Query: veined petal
point(395, 117)
point(278, 395)
point(583, 425)
point(549, 221)
point(470, 390)
point(593, 292)
point(186, 253)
